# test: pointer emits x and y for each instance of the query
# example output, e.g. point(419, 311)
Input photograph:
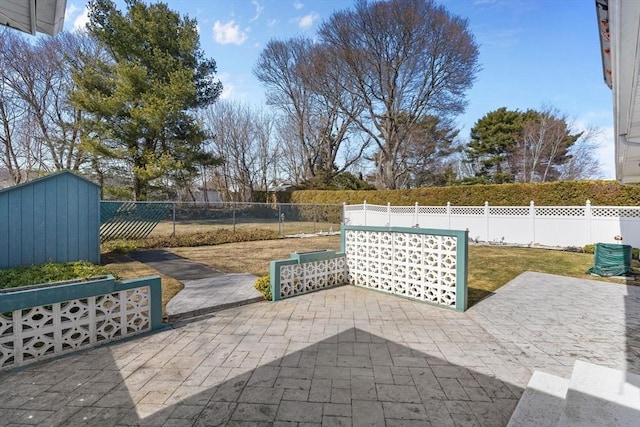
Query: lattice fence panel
point(510, 211)
point(615, 212)
point(297, 279)
point(467, 210)
point(561, 211)
point(416, 266)
point(40, 332)
point(437, 210)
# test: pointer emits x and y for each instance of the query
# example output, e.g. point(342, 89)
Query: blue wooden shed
point(51, 219)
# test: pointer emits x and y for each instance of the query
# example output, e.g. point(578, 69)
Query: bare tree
point(40, 127)
point(241, 137)
point(399, 58)
point(318, 131)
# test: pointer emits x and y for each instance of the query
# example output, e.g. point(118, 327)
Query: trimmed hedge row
point(567, 193)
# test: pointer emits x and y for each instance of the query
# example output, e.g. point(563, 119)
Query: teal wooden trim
point(462, 266)
point(155, 296)
point(312, 256)
point(35, 296)
point(274, 276)
point(432, 231)
point(47, 177)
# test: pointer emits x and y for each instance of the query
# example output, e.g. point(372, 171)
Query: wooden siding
point(55, 218)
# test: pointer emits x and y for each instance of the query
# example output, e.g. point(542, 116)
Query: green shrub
point(572, 193)
point(205, 238)
point(120, 246)
point(208, 238)
point(263, 285)
point(50, 272)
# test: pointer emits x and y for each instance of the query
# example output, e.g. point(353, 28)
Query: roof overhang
point(33, 16)
point(619, 26)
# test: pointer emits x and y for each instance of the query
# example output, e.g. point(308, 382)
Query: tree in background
point(424, 159)
point(39, 127)
point(528, 146)
point(241, 138)
point(140, 102)
point(400, 59)
point(312, 128)
point(493, 140)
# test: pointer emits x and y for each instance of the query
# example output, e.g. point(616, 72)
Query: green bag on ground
point(612, 259)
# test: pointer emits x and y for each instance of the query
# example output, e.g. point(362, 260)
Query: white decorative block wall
point(36, 333)
point(413, 265)
point(296, 279)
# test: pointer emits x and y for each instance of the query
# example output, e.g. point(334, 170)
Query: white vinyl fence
point(526, 225)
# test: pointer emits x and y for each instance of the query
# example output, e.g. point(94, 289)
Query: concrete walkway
point(343, 356)
point(206, 290)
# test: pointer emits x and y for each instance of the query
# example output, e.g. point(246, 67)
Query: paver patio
point(344, 356)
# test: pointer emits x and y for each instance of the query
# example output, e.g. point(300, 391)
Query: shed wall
point(53, 219)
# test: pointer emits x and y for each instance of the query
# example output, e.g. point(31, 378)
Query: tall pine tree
point(139, 99)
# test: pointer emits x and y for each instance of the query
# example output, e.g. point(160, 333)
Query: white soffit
point(33, 16)
point(619, 27)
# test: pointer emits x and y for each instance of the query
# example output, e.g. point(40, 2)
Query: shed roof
point(46, 178)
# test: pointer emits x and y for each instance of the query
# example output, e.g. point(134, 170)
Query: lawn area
point(490, 267)
point(127, 268)
point(182, 227)
point(254, 257)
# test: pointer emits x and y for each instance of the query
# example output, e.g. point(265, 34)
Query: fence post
point(344, 213)
point(417, 224)
point(315, 217)
point(280, 230)
point(234, 217)
point(532, 215)
point(174, 220)
point(449, 215)
point(587, 216)
point(364, 209)
point(486, 219)
point(389, 214)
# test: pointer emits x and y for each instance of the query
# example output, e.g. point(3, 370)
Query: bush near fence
point(566, 193)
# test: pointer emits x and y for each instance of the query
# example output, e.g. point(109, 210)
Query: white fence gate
point(527, 225)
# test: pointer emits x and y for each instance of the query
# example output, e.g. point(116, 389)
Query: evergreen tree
point(140, 99)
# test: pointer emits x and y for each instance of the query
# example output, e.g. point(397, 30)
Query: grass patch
point(490, 267)
point(127, 268)
point(254, 257)
point(184, 227)
point(50, 272)
point(202, 238)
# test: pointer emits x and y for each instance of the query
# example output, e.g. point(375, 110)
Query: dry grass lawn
point(127, 268)
point(254, 257)
point(165, 228)
point(490, 267)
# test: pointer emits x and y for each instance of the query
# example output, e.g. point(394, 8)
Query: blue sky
point(532, 52)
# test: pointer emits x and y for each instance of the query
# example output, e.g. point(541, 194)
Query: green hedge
point(568, 193)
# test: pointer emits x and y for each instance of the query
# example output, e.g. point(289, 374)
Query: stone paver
point(343, 356)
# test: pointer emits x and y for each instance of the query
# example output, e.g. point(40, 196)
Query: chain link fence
point(182, 218)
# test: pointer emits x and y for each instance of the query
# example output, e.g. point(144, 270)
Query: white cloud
point(76, 18)
point(298, 5)
point(229, 33)
point(259, 10)
point(307, 20)
point(272, 22)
